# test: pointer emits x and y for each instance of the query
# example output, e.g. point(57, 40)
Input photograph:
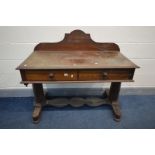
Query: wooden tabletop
point(76, 60)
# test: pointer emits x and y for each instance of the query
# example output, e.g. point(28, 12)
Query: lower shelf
point(77, 102)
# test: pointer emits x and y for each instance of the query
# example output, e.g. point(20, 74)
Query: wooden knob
point(105, 75)
point(51, 76)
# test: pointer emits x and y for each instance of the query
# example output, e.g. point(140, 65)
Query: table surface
point(76, 60)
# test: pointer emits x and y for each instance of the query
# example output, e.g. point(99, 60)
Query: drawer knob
point(51, 76)
point(105, 75)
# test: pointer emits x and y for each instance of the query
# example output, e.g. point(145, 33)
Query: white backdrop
point(137, 43)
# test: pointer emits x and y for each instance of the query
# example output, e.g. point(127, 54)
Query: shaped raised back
point(75, 41)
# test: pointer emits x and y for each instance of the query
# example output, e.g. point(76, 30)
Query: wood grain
point(77, 40)
point(77, 75)
point(76, 50)
point(77, 58)
point(45, 75)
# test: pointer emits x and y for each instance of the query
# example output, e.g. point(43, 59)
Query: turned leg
point(39, 101)
point(114, 99)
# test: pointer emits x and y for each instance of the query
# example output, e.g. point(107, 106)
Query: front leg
point(114, 99)
point(39, 101)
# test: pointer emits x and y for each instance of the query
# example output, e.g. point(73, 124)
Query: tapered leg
point(39, 101)
point(114, 99)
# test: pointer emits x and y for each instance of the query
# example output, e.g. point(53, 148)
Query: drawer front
point(43, 75)
point(106, 74)
point(78, 75)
